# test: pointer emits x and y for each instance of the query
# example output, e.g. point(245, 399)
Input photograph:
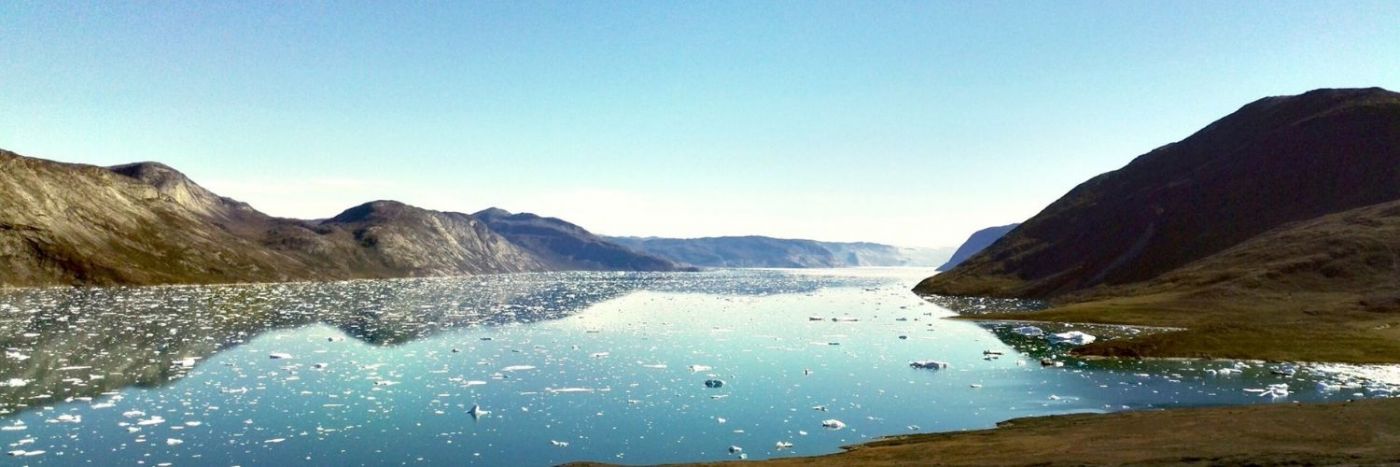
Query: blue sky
point(911, 123)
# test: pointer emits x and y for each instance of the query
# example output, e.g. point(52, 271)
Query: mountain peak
point(492, 212)
point(372, 209)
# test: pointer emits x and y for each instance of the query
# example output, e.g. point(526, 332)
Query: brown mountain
point(1275, 161)
point(1272, 233)
point(148, 224)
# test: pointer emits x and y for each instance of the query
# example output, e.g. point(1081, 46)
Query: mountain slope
point(565, 246)
point(80, 224)
point(1275, 161)
point(146, 223)
point(768, 252)
point(975, 243)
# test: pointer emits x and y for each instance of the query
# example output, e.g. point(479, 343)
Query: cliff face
point(1275, 161)
point(148, 224)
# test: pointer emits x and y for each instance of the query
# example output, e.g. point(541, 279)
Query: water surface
point(570, 366)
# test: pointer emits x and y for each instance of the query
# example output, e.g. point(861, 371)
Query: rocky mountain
point(149, 224)
point(1275, 161)
point(975, 243)
point(768, 252)
point(565, 246)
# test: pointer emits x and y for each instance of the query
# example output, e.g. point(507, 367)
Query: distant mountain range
point(979, 241)
point(768, 252)
point(562, 245)
point(146, 223)
point(1278, 223)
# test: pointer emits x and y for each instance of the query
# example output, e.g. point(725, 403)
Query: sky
point(909, 123)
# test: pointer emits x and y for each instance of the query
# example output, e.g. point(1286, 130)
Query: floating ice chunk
point(187, 362)
point(133, 414)
point(1030, 331)
point(657, 366)
point(17, 426)
point(559, 444)
point(975, 386)
point(568, 390)
point(154, 420)
point(518, 368)
point(279, 356)
point(16, 382)
point(173, 442)
point(714, 383)
point(274, 440)
point(67, 418)
point(781, 445)
point(928, 364)
point(1073, 337)
point(23, 453)
point(700, 368)
point(833, 424)
point(1276, 391)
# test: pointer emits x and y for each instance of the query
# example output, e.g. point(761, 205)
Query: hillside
point(1271, 229)
point(975, 243)
point(769, 252)
point(565, 246)
point(1274, 161)
point(149, 224)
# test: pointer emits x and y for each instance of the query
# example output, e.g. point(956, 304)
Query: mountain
point(1272, 233)
point(979, 241)
point(147, 223)
point(768, 252)
point(1275, 161)
point(565, 246)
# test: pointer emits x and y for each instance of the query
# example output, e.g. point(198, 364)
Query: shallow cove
point(569, 366)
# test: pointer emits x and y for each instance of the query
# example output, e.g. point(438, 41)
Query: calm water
point(573, 366)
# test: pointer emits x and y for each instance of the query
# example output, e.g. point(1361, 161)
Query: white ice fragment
point(279, 356)
point(1030, 331)
point(1074, 337)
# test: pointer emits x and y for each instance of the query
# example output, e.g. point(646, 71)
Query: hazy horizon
point(911, 124)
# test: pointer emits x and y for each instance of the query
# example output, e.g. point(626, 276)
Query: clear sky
point(911, 123)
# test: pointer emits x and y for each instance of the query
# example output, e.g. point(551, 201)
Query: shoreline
point(1361, 432)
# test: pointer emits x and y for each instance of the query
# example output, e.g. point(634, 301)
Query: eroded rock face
point(146, 223)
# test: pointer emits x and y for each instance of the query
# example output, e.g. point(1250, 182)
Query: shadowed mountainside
point(1267, 231)
point(1274, 161)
